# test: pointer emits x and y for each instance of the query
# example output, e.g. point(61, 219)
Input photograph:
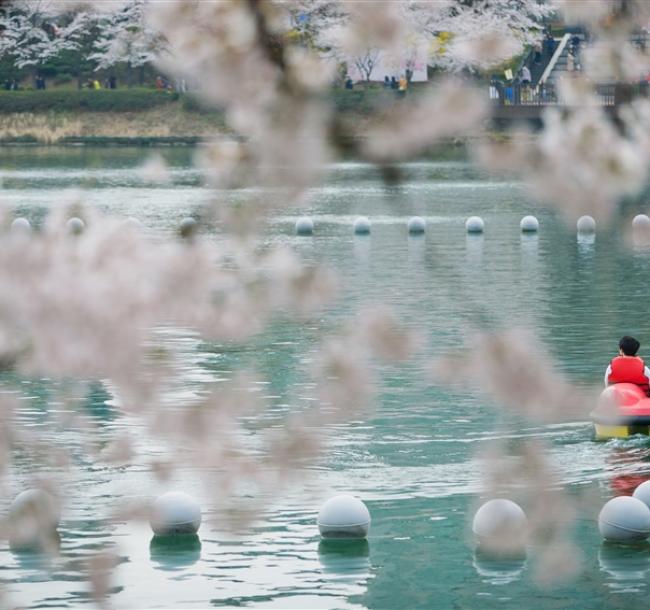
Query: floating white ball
point(586, 224)
point(642, 492)
point(33, 518)
point(344, 517)
point(175, 513)
point(641, 221)
point(304, 226)
point(624, 518)
point(187, 226)
point(75, 225)
point(474, 224)
point(501, 524)
point(38, 505)
point(21, 225)
point(417, 224)
point(362, 226)
point(529, 224)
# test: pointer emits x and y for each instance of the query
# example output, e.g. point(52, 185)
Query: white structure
point(75, 225)
point(304, 226)
point(417, 225)
point(642, 492)
point(501, 523)
point(529, 224)
point(362, 226)
point(21, 225)
point(474, 224)
point(624, 518)
point(586, 224)
point(175, 513)
point(344, 517)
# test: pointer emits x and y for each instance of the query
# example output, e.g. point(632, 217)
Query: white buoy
point(33, 518)
point(304, 226)
point(362, 226)
point(641, 221)
point(529, 224)
point(586, 224)
point(417, 224)
point(344, 517)
point(501, 524)
point(175, 513)
point(624, 518)
point(187, 226)
point(75, 225)
point(21, 225)
point(38, 504)
point(642, 492)
point(474, 224)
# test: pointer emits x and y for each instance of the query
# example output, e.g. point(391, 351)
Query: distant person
point(96, 85)
point(570, 61)
point(112, 82)
point(160, 83)
point(537, 53)
point(627, 367)
point(403, 85)
point(549, 44)
point(393, 83)
point(349, 84)
point(575, 44)
point(525, 76)
point(386, 82)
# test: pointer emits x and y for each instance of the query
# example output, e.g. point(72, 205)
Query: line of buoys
point(344, 517)
point(641, 222)
point(624, 518)
point(501, 525)
point(33, 518)
point(416, 225)
point(188, 227)
point(304, 226)
point(586, 224)
point(75, 225)
point(474, 224)
point(361, 226)
point(642, 492)
point(21, 225)
point(529, 224)
point(174, 513)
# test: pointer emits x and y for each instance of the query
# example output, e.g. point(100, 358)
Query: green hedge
point(72, 100)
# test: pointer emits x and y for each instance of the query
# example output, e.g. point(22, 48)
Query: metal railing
point(546, 95)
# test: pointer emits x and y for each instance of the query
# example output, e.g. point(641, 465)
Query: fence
point(514, 94)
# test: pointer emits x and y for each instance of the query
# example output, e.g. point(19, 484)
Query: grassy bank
point(140, 117)
point(169, 123)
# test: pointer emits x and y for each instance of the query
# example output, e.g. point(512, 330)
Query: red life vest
point(629, 369)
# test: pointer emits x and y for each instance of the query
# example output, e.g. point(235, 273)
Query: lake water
point(412, 459)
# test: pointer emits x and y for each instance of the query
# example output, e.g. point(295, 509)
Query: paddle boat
point(623, 410)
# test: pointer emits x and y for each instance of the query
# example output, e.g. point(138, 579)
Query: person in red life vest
point(627, 367)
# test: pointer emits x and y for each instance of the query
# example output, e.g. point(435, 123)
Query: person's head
point(628, 346)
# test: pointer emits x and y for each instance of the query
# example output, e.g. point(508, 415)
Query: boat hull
point(623, 411)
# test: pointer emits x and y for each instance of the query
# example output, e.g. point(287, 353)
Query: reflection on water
point(627, 567)
point(175, 552)
point(497, 570)
point(345, 557)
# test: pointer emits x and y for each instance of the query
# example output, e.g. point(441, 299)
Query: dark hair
point(629, 345)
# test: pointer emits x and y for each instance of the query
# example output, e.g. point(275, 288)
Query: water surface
point(412, 458)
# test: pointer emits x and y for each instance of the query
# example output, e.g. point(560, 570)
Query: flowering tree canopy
point(31, 32)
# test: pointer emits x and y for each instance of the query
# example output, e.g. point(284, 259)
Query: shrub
point(104, 100)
